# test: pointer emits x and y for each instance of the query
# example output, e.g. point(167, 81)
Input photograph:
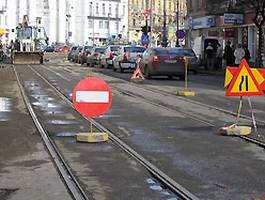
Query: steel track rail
point(247, 138)
point(160, 175)
point(73, 186)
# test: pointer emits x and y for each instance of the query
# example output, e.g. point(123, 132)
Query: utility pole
point(164, 37)
point(151, 23)
point(93, 21)
point(177, 21)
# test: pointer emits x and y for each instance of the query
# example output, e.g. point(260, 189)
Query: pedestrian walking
point(228, 54)
point(209, 57)
point(219, 57)
point(247, 53)
point(239, 54)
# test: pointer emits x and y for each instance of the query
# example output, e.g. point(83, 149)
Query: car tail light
point(155, 59)
point(95, 54)
point(182, 59)
point(84, 53)
point(125, 58)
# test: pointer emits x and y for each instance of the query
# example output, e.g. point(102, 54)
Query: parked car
point(106, 58)
point(162, 61)
point(193, 61)
point(126, 57)
point(49, 49)
point(71, 53)
point(82, 56)
point(62, 49)
point(94, 55)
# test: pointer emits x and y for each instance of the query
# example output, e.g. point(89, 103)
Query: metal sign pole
point(239, 109)
point(252, 115)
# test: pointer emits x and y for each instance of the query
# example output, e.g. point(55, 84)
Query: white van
point(200, 44)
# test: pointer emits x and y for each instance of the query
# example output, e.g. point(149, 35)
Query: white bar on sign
point(92, 97)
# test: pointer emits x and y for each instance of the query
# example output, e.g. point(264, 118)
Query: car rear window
point(87, 47)
point(114, 48)
point(182, 52)
point(161, 51)
point(134, 49)
point(100, 50)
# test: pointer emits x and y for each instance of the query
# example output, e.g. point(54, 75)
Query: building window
point(117, 10)
point(106, 25)
point(97, 11)
point(90, 9)
point(110, 9)
point(123, 10)
point(134, 22)
point(90, 23)
point(117, 25)
point(103, 9)
point(100, 24)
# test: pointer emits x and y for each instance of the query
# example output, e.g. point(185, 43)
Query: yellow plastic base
point(235, 130)
point(92, 137)
point(186, 93)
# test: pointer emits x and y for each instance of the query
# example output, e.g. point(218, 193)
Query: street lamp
point(93, 21)
point(164, 37)
point(68, 16)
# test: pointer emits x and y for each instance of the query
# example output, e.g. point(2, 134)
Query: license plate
point(170, 61)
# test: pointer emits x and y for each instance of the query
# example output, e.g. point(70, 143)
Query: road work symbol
point(244, 82)
point(137, 75)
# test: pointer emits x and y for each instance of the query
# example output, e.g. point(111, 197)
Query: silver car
point(126, 57)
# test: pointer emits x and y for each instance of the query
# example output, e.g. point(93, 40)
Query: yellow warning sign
point(244, 82)
point(228, 77)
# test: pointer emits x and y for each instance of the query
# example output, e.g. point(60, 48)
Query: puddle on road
point(5, 107)
point(156, 187)
point(32, 85)
point(62, 122)
point(66, 134)
point(5, 104)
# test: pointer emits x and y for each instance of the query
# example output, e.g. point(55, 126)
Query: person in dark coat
point(228, 54)
point(247, 54)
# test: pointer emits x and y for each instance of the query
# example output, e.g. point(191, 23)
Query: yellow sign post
point(186, 91)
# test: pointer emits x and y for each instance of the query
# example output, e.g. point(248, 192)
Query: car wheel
point(195, 72)
point(147, 72)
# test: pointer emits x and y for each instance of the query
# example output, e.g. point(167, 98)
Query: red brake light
point(95, 54)
point(155, 59)
point(125, 57)
point(84, 53)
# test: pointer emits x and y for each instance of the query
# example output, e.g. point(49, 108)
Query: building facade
point(104, 21)
point(175, 11)
point(68, 21)
point(225, 20)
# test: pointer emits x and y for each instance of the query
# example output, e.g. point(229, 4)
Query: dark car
point(193, 61)
point(93, 57)
point(49, 49)
point(162, 62)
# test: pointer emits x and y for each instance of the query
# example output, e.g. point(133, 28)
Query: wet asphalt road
point(104, 170)
point(188, 149)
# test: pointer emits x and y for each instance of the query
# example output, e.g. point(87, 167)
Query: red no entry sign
point(92, 97)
